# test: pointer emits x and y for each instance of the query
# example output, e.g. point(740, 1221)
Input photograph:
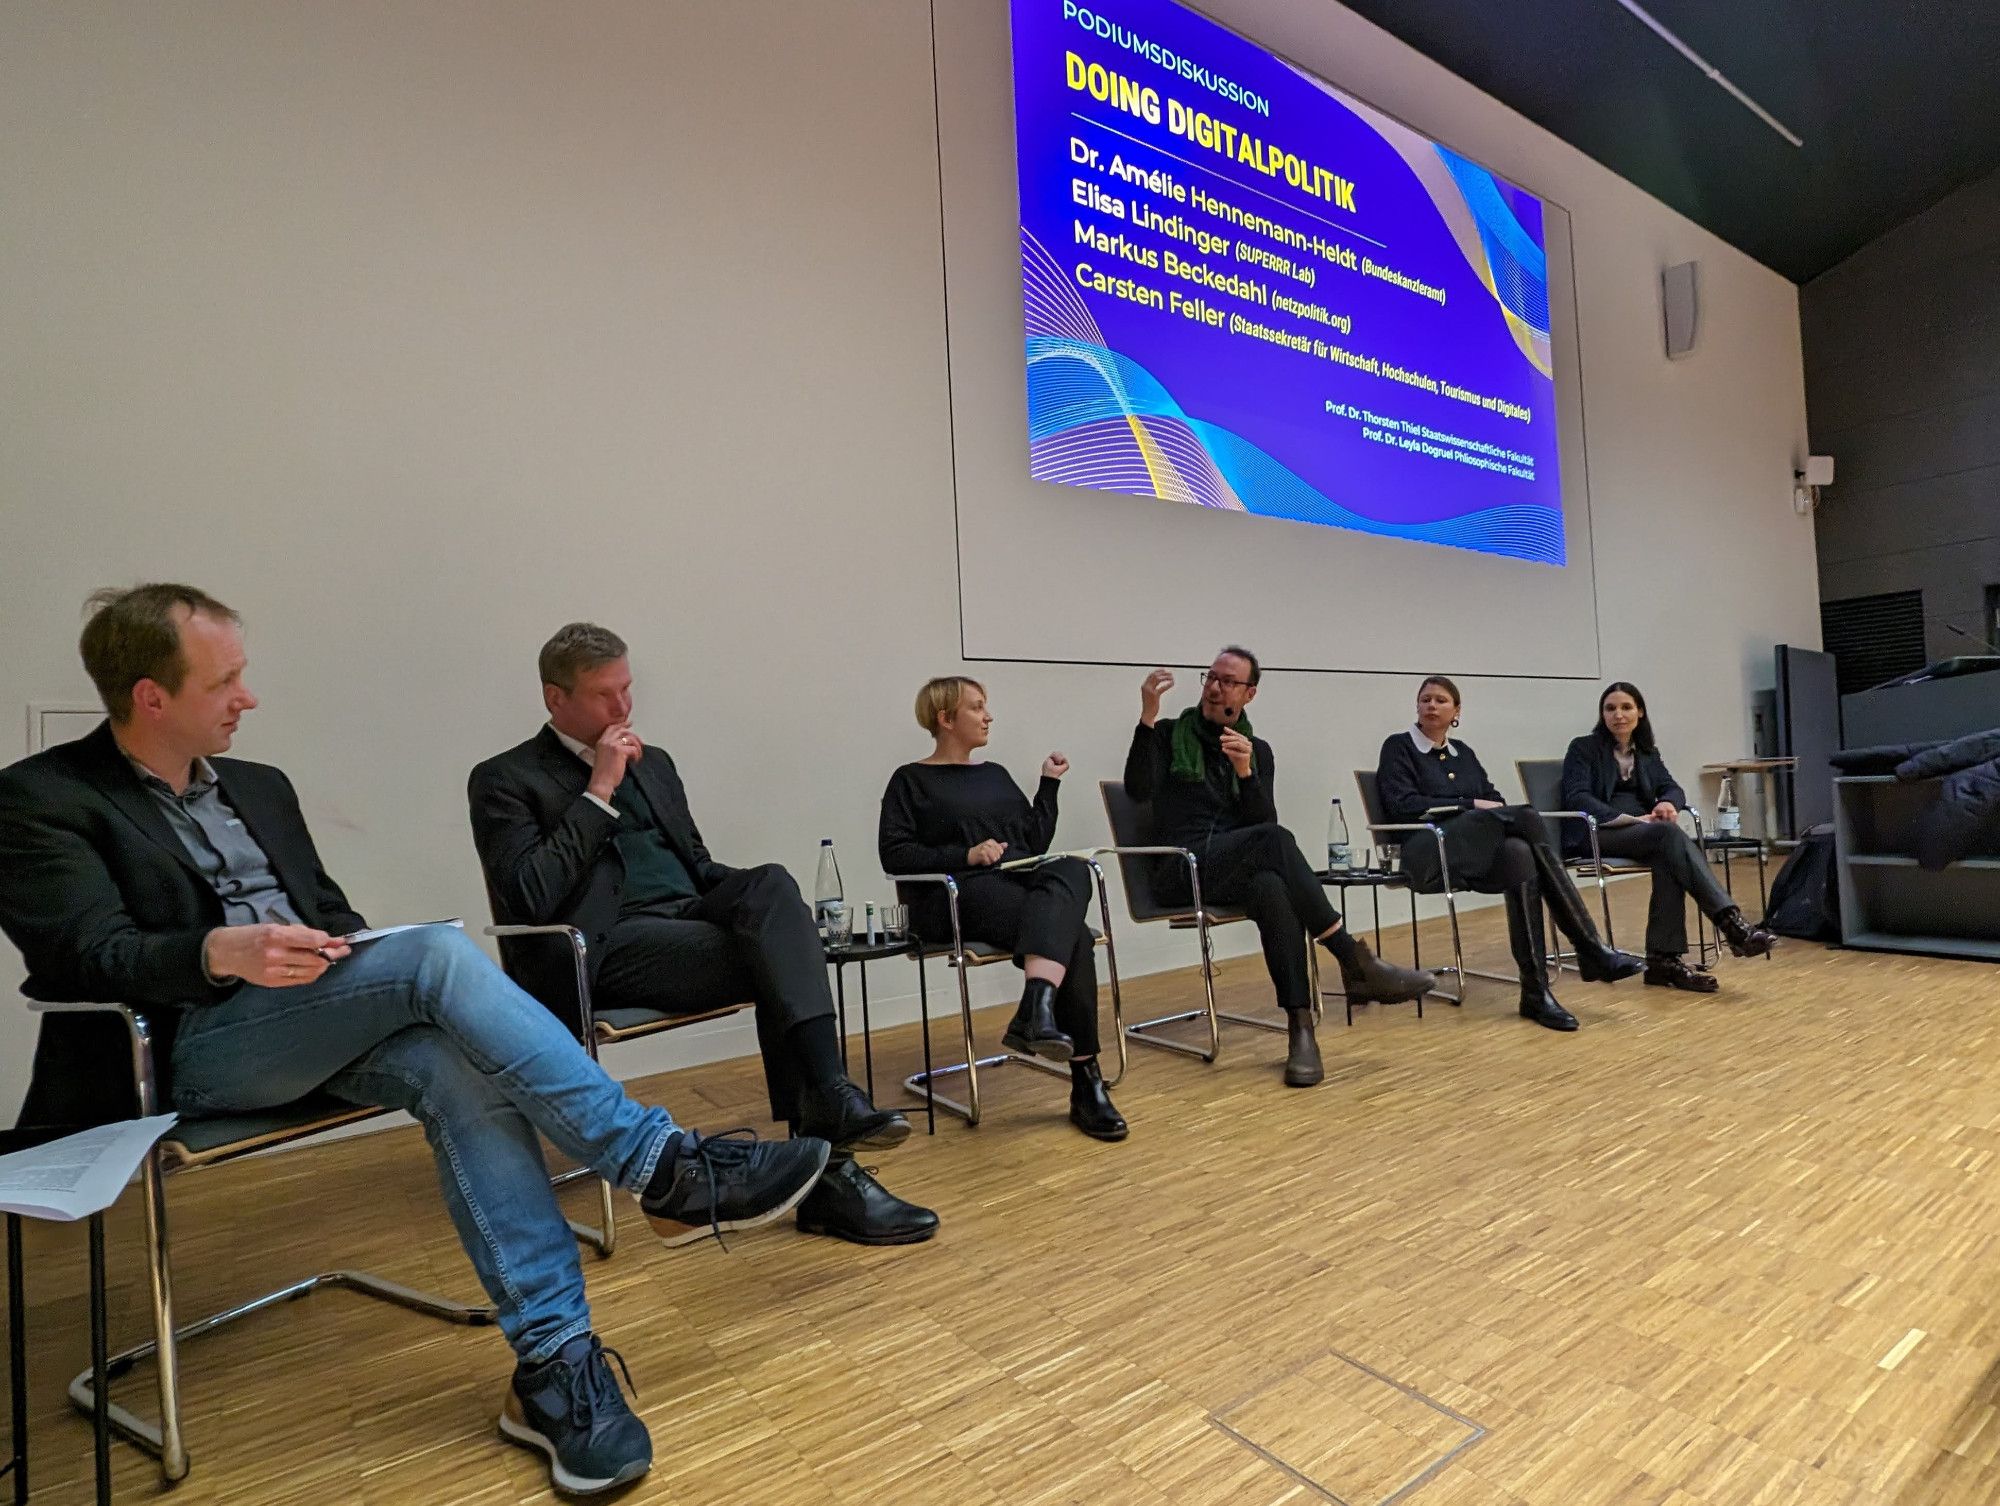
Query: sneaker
point(571, 1409)
point(711, 1183)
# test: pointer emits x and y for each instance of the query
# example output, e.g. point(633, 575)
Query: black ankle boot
point(1744, 939)
point(1090, 1106)
point(1665, 970)
point(1302, 1063)
point(1032, 1031)
point(1369, 980)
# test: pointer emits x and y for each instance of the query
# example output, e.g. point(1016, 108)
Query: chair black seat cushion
point(1218, 915)
point(206, 1137)
point(631, 1017)
point(981, 952)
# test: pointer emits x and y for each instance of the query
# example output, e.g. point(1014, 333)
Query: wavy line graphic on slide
point(1099, 419)
point(1507, 259)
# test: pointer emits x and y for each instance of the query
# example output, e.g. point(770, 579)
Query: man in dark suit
point(137, 866)
point(584, 825)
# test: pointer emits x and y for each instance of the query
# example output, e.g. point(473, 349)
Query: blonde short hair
point(941, 697)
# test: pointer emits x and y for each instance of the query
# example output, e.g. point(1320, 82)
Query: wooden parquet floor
point(1738, 1249)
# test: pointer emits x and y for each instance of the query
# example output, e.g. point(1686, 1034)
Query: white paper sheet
point(357, 938)
point(80, 1174)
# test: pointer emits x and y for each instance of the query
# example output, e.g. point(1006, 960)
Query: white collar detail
point(1425, 745)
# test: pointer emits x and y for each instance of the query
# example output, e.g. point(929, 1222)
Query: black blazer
point(1590, 774)
point(107, 907)
point(548, 851)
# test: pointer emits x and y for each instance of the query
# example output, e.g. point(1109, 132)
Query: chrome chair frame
point(601, 1237)
point(1708, 944)
point(166, 1440)
point(1600, 868)
point(1456, 967)
point(1364, 783)
point(1200, 917)
point(962, 956)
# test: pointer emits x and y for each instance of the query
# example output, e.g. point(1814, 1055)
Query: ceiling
point(1898, 102)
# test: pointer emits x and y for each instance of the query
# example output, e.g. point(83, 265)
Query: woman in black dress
point(1491, 847)
point(1614, 772)
point(950, 814)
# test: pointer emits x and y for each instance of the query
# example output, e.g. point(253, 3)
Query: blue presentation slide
point(1245, 289)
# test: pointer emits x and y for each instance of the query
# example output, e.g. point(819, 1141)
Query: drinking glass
point(895, 920)
point(839, 923)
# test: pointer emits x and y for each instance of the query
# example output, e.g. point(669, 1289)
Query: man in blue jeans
point(138, 867)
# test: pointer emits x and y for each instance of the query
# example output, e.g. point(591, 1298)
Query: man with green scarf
point(1211, 784)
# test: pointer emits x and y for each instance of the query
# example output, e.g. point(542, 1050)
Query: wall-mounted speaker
point(1678, 298)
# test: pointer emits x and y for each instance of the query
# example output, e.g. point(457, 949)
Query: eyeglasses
point(1223, 681)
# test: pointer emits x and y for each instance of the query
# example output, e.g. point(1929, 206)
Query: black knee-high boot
point(1524, 937)
point(1597, 962)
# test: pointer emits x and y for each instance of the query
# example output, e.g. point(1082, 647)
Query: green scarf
point(1194, 735)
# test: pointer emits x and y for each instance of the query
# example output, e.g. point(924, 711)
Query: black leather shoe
point(841, 1115)
point(1744, 939)
point(1373, 981)
point(1302, 1063)
point(1603, 964)
point(1090, 1106)
point(849, 1204)
point(1540, 1006)
point(1032, 1031)
point(1666, 971)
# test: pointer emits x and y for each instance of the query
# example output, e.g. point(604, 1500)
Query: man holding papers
point(138, 866)
point(584, 824)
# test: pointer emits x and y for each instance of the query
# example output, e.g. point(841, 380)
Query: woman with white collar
point(1491, 846)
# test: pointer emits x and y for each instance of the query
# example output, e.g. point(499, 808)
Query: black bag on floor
point(1805, 896)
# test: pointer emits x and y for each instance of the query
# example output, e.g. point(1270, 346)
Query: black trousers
point(751, 937)
point(1679, 870)
point(1494, 852)
point(1261, 870)
point(1034, 912)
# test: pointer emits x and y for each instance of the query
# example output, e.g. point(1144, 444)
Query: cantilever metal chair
point(594, 1029)
point(1393, 834)
point(962, 955)
point(198, 1141)
point(1131, 831)
point(1541, 779)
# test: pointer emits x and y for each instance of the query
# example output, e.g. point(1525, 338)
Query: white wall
point(413, 330)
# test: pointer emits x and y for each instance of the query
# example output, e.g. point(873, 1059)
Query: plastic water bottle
point(826, 887)
point(1339, 848)
point(1728, 818)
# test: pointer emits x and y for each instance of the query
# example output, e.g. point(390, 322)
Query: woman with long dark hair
point(1614, 772)
point(1490, 847)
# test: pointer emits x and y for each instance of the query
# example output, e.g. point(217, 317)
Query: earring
point(1454, 721)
